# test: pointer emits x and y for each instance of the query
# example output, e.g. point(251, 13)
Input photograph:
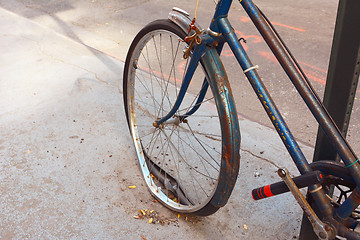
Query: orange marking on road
point(314, 78)
point(312, 66)
point(181, 68)
point(288, 26)
point(310, 74)
point(247, 37)
point(246, 19)
point(115, 56)
point(159, 74)
point(269, 56)
point(227, 53)
point(156, 73)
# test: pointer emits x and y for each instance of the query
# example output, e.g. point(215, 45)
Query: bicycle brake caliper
point(195, 38)
point(322, 230)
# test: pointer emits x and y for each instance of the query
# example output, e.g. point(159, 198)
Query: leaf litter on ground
point(155, 217)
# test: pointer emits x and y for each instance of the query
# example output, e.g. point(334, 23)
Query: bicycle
point(187, 136)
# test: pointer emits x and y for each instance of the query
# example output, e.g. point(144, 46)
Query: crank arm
point(322, 230)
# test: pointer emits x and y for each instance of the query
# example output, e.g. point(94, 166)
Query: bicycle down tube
point(191, 168)
point(312, 100)
point(225, 28)
point(221, 24)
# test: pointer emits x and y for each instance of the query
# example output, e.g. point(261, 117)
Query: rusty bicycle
point(183, 120)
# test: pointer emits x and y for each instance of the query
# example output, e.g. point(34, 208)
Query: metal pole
point(341, 84)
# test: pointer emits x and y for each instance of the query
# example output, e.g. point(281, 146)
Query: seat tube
point(263, 95)
point(273, 113)
point(305, 90)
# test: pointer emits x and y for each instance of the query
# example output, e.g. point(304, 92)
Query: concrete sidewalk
point(66, 157)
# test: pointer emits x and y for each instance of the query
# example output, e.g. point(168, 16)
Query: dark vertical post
point(341, 84)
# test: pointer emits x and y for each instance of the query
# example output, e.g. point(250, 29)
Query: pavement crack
point(260, 157)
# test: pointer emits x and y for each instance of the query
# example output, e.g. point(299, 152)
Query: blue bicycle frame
point(222, 32)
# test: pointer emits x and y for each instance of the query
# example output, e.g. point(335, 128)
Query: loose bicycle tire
point(209, 148)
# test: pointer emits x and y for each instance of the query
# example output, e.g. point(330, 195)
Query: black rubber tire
point(227, 183)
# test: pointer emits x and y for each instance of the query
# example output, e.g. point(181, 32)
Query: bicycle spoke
point(189, 165)
point(186, 162)
point(190, 145)
point(182, 155)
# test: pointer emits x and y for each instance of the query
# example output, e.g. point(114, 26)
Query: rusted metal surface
point(322, 230)
point(331, 167)
point(221, 91)
point(349, 205)
point(272, 111)
point(304, 88)
point(229, 123)
point(218, 81)
point(263, 95)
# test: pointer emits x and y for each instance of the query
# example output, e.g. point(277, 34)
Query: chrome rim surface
point(186, 154)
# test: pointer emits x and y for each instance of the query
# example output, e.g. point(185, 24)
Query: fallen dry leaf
point(155, 218)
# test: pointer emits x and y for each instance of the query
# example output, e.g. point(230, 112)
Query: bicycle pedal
point(274, 189)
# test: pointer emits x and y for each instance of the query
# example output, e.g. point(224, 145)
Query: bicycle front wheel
point(190, 163)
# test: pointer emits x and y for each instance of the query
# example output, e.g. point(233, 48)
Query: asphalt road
point(307, 28)
point(110, 26)
point(68, 165)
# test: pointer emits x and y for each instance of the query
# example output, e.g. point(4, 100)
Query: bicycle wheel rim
point(143, 154)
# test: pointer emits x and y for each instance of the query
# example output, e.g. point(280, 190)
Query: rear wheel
point(184, 159)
